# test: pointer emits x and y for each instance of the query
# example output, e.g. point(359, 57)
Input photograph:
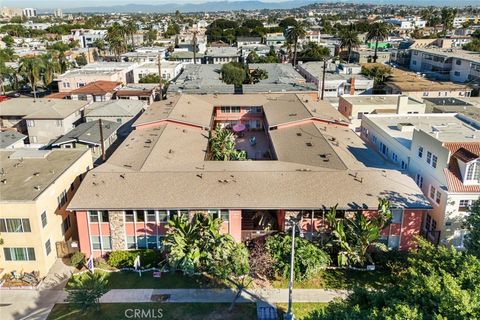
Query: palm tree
point(349, 39)
point(294, 33)
point(116, 39)
point(7, 73)
point(378, 31)
point(31, 67)
point(430, 15)
point(51, 66)
point(222, 146)
point(130, 29)
point(447, 16)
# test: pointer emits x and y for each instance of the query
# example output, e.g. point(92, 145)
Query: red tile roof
point(463, 151)
point(98, 88)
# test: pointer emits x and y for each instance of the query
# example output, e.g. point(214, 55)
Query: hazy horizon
point(66, 4)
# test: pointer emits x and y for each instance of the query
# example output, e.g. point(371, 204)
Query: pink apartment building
point(302, 160)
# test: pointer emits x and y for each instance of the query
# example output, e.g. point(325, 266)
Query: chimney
point(352, 86)
point(402, 104)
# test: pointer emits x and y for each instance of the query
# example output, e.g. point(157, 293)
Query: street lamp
point(294, 224)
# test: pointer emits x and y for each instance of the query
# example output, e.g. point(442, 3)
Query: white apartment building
point(441, 152)
point(170, 70)
point(29, 12)
point(86, 37)
point(446, 64)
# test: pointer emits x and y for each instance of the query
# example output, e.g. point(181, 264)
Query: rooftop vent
point(405, 127)
point(37, 187)
point(309, 144)
point(299, 134)
point(36, 174)
point(4, 181)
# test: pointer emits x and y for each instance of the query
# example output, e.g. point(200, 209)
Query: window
point(104, 216)
point(374, 139)
point(162, 216)
point(414, 62)
point(62, 199)
point(131, 242)
point(129, 216)
point(429, 157)
point(95, 241)
point(142, 242)
point(19, 254)
point(235, 109)
point(420, 152)
point(419, 180)
point(397, 215)
point(15, 225)
point(428, 222)
point(93, 216)
point(66, 224)
point(465, 205)
point(473, 172)
point(394, 157)
point(66, 84)
point(119, 120)
point(160, 241)
point(30, 123)
point(434, 161)
point(48, 247)
point(438, 197)
point(403, 165)
point(44, 219)
point(106, 243)
point(225, 109)
point(224, 215)
point(458, 62)
point(72, 186)
point(59, 123)
point(151, 216)
point(140, 216)
point(152, 242)
point(457, 74)
point(432, 192)
point(383, 149)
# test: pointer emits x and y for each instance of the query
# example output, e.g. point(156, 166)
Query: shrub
point(78, 259)
point(124, 259)
point(309, 259)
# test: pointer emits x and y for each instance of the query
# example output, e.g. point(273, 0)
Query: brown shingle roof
point(97, 88)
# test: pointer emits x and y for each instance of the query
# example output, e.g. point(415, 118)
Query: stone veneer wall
point(117, 230)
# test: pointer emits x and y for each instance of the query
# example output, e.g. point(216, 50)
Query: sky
point(51, 4)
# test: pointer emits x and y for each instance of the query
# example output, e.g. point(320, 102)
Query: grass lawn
point(340, 279)
point(131, 280)
point(300, 310)
point(169, 311)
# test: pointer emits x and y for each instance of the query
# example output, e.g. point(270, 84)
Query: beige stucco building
point(36, 187)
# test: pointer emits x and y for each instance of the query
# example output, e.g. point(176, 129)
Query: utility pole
point(289, 315)
point(323, 77)
point(195, 47)
point(160, 75)
point(101, 140)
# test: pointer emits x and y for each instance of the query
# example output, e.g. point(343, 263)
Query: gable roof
point(89, 133)
point(98, 88)
point(115, 108)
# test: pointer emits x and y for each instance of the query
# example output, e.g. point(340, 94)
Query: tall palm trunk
point(376, 49)
point(349, 53)
point(34, 89)
point(295, 52)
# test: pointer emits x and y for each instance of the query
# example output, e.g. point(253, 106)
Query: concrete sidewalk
point(220, 295)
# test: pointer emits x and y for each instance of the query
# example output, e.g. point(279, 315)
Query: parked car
point(13, 94)
point(3, 98)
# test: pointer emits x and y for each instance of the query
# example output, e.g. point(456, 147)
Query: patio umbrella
point(239, 127)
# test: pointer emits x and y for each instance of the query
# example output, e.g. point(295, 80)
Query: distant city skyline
point(66, 4)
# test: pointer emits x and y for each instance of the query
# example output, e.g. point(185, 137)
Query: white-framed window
point(397, 215)
point(394, 157)
point(48, 247)
point(393, 242)
point(98, 216)
point(438, 196)
point(62, 199)
point(66, 84)
point(106, 243)
point(15, 225)
point(19, 254)
point(473, 172)
point(374, 139)
point(432, 193)
point(66, 224)
point(429, 157)
point(420, 152)
point(419, 180)
point(383, 149)
point(30, 123)
point(403, 165)
point(434, 161)
point(95, 241)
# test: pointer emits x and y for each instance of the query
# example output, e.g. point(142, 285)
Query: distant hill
point(213, 6)
point(196, 7)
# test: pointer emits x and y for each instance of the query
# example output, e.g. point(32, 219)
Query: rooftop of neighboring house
point(26, 173)
point(450, 127)
point(100, 68)
point(200, 78)
point(377, 100)
point(154, 65)
point(249, 39)
point(136, 89)
point(222, 52)
point(88, 133)
point(406, 81)
point(98, 88)
point(281, 77)
point(41, 108)
point(469, 107)
point(8, 138)
point(316, 68)
point(452, 53)
point(115, 108)
point(185, 55)
point(316, 156)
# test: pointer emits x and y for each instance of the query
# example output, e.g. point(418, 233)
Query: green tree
point(50, 66)
point(130, 29)
point(172, 29)
point(8, 39)
point(223, 146)
point(349, 40)
point(255, 75)
point(87, 291)
point(115, 38)
point(473, 45)
point(472, 224)
point(378, 72)
point(31, 67)
point(81, 59)
point(233, 73)
point(436, 283)
point(447, 16)
point(288, 22)
point(150, 78)
point(294, 33)
point(313, 52)
point(430, 15)
point(354, 238)
point(378, 31)
point(150, 36)
point(253, 57)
